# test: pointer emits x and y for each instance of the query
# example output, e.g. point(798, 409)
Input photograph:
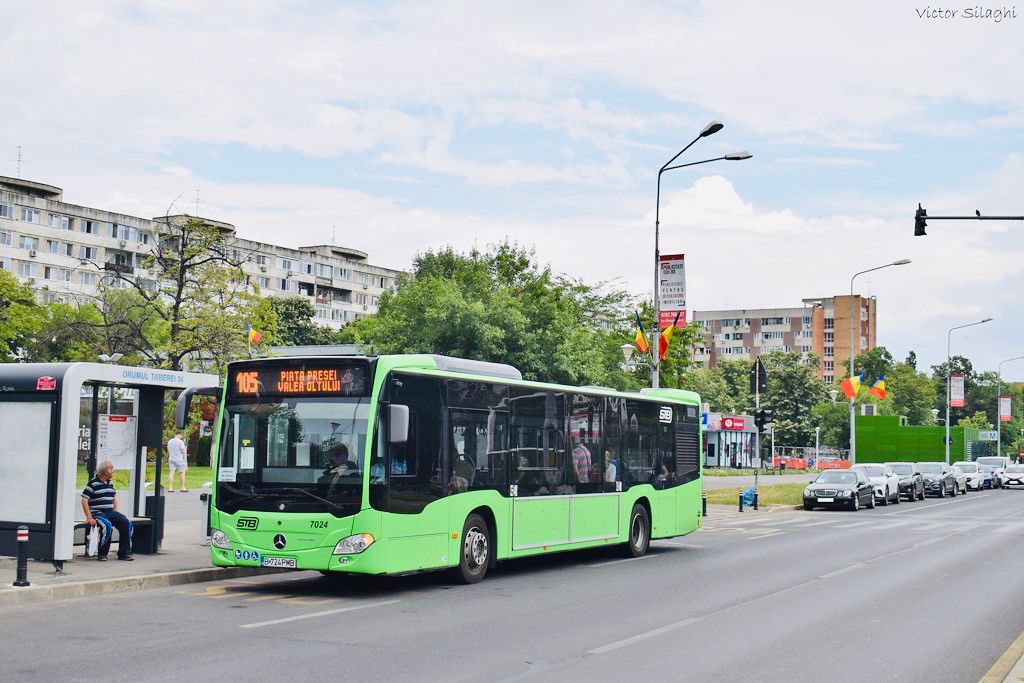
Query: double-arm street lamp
point(853, 353)
point(949, 341)
point(709, 129)
point(999, 424)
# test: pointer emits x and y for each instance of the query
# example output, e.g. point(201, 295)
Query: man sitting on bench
point(100, 504)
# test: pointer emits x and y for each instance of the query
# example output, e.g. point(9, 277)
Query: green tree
point(978, 421)
point(874, 364)
point(189, 306)
point(21, 317)
point(834, 421)
point(794, 388)
point(911, 393)
point(295, 323)
point(500, 305)
point(911, 359)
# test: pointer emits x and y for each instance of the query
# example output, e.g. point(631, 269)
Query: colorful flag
point(666, 337)
point(851, 385)
point(878, 388)
point(641, 336)
point(254, 336)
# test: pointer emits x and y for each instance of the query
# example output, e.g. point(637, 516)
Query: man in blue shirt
point(100, 504)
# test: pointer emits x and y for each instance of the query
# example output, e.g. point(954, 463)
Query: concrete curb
point(124, 584)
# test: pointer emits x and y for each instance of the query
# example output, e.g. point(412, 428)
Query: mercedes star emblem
point(280, 541)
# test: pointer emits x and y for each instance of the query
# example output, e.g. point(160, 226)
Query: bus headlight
point(219, 539)
point(353, 545)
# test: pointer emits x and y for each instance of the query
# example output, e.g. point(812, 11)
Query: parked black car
point(840, 488)
point(911, 479)
point(939, 478)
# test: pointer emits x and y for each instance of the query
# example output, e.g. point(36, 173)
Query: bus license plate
point(285, 562)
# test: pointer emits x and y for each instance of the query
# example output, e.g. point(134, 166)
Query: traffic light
point(761, 418)
point(919, 221)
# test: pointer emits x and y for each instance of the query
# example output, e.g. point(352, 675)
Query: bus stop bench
point(142, 534)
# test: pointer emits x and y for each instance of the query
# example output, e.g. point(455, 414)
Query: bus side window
point(537, 443)
point(477, 448)
point(413, 468)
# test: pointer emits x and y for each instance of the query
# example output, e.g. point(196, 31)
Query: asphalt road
point(928, 591)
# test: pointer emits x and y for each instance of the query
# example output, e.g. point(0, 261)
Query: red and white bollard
point(22, 578)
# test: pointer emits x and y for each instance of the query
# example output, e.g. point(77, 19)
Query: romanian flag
point(666, 337)
point(851, 385)
point(641, 336)
point(878, 388)
point(254, 336)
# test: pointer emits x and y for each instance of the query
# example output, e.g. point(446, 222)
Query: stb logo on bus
point(665, 414)
point(248, 523)
point(46, 384)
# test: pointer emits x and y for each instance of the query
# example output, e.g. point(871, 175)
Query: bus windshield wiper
point(329, 503)
point(253, 494)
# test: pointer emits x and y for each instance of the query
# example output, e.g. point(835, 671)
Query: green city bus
point(409, 463)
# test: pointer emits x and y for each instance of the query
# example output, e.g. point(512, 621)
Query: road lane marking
point(679, 545)
point(782, 591)
point(933, 505)
point(839, 572)
point(643, 636)
point(851, 525)
point(821, 523)
point(774, 533)
point(313, 615)
point(1009, 528)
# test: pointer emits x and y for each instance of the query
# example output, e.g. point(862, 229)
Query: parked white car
point(885, 481)
point(975, 479)
point(998, 463)
point(1013, 475)
point(961, 479)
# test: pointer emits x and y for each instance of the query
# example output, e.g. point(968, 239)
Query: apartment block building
point(66, 251)
point(821, 326)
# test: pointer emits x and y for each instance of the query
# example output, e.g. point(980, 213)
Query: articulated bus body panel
point(431, 539)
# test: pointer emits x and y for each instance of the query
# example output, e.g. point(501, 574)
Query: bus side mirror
point(184, 403)
point(398, 424)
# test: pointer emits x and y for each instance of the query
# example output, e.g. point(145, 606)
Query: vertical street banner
point(1005, 412)
point(672, 287)
point(956, 391)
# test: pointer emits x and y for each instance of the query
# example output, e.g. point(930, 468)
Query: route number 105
point(248, 382)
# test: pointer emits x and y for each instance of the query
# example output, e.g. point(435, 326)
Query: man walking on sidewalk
point(100, 504)
point(178, 461)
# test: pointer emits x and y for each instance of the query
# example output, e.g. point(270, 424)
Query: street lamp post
point(949, 342)
point(853, 418)
point(817, 444)
point(709, 129)
point(999, 425)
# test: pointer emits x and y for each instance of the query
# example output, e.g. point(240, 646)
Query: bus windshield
point(297, 454)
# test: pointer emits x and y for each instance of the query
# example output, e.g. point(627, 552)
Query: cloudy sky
point(404, 126)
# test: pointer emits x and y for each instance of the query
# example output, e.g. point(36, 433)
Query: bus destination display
point(330, 380)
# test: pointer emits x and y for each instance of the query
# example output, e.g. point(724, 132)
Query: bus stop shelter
point(58, 418)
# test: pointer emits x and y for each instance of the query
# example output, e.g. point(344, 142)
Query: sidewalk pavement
point(184, 557)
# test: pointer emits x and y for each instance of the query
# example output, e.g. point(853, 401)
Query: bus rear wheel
point(476, 549)
point(639, 532)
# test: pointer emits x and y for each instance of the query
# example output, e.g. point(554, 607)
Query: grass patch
point(731, 472)
point(791, 493)
point(195, 477)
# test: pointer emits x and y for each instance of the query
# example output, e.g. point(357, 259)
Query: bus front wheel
point(639, 532)
point(476, 549)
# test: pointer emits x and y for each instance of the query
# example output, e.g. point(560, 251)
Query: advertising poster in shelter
point(116, 440)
